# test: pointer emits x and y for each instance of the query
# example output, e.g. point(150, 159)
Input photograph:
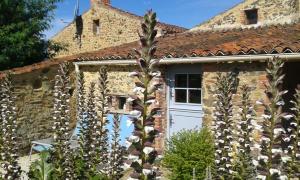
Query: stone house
point(253, 13)
point(104, 26)
point(189, 64)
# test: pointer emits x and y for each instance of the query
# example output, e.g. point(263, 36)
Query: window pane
point(194, 81)
point(122, 102)
point(252, 16)
point(181, 80)
point(180, 95)
point(195, 96)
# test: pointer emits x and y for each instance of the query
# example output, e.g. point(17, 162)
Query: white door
point(185, 101)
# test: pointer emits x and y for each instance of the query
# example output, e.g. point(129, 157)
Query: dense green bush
point(187, 150)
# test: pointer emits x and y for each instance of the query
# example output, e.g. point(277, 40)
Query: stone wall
point(121, 85)
point(34, 92)
point(35, 101)
point(269, 12)
point(251, 74)
point(116, 28)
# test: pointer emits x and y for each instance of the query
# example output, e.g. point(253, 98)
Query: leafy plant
point(208, 173)
point(270, 164)
point(61, 153)
point(142, 151)
point(22, 41)
point(226, 86)
point(187, 150)
point(41, 169)
point(9, 150)
point(244, 167)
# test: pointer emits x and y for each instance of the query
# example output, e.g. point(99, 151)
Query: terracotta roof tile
point(264, 40)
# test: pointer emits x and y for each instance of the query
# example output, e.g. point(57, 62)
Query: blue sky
point(185, 13)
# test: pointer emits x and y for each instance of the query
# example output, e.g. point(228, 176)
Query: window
point(188, 88)
point(121, 102)
point(96, 27)
point(251, 16)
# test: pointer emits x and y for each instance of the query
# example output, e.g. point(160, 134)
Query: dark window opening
point(251, 16)
point(188, 88)
point(121, 102)
point(180, 95)
point(96, 27)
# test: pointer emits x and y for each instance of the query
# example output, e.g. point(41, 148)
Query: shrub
point(187, 150)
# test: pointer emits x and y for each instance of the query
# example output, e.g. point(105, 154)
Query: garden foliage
point(22, 27)
point(187, 150)
point(41, 169)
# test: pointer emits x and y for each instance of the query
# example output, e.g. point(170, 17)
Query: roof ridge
point(245, 28)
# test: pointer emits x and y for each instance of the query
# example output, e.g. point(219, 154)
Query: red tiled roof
point(264, 40)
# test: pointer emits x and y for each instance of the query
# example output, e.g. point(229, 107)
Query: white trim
point(192, 60)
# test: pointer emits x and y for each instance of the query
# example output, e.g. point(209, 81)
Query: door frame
point(184, 69)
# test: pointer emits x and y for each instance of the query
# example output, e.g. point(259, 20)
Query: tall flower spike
point(9, 150)
point(89, 141)
point(245, 168)
point(270, 149)
point(102, 112)
point(141, 149)
point(61, 153)
point(292, 164)
point(1, 121)
point(82, 120)
point(116, 154)
point(80, 99)
point(223, 124)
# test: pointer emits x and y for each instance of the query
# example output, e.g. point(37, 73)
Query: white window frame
point(187, 88)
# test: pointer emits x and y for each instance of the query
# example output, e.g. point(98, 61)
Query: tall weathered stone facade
point(104, 26)
point(254, 13)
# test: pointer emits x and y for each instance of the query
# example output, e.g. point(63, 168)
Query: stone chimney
point(100, 2)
